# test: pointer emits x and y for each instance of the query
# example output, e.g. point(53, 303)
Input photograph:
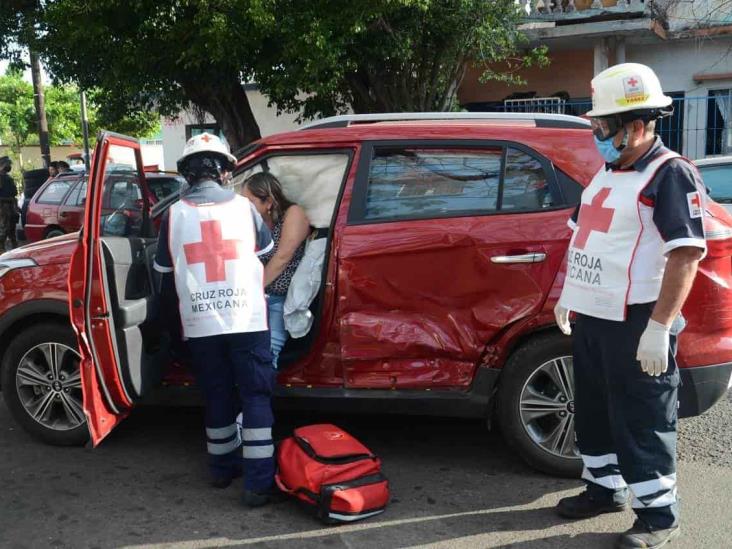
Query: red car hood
point(47, 252)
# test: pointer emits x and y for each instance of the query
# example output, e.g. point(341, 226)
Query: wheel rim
point(546, 407)
point(48, 382)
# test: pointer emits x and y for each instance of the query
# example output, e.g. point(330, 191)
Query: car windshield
point(719, 181)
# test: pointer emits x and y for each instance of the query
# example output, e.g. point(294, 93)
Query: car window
point(719, 181)
point(81, 200)
point(77, 196)
point(424, 182)
point(55, 192)
point(525, 185)
point(164, 186)
point(124, 192)
point(123, 204)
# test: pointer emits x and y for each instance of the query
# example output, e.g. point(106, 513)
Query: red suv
point(58, 206)
point(447, 238)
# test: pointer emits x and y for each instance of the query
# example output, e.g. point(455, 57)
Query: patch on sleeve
point(695, 206)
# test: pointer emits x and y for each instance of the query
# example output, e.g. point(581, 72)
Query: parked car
point(447, 239)
point(58, 206)
point(717, 174)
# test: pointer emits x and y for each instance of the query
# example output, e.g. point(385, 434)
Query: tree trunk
point(40, 103)
point(229, 105)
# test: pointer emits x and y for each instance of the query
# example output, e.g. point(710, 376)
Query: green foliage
point(17, 114)
point(386, 55)
point(18, 124)
point(322, 56)
point(162, 54)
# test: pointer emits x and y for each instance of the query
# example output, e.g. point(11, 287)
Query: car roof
point(148, 175)
point(565, 140)
point(713, 161)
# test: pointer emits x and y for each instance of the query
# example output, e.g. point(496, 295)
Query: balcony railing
point(552, 10)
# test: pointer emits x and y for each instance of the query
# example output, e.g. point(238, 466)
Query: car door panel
point(420, 299)
point(111, 296)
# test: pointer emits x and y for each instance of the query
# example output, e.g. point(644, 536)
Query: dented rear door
point(446, 245)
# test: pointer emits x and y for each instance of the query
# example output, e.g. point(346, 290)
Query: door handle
point(534, 257)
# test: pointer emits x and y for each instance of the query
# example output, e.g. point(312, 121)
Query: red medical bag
point(333, 473)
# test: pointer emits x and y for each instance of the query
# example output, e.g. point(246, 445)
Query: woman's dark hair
point(264, 185)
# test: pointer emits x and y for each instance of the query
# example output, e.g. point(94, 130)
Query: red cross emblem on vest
point(213, 251)
point(593, 217)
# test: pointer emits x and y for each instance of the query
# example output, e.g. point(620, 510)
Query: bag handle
point(281, 485)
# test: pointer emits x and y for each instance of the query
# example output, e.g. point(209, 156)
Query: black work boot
point(585, 506)
point(643, 536)
point(224, 481)
point(258, 499)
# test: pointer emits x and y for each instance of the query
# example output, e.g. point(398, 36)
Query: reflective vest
point(218, 277)
point(603, 263)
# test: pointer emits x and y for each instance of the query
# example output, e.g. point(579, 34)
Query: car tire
point(26, 367)
point(529, 387)
point(51, 233)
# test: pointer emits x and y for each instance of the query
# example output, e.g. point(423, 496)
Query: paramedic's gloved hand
point(562, 317)
point(653, 349)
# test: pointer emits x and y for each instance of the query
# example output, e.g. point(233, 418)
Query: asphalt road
point(453, 485)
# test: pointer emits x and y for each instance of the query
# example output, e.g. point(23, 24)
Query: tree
point(322, 55)
point(18, 123)
point(17, 115)
point(386, 55)
point(162, 55)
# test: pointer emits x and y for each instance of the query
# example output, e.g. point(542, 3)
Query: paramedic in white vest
point(210, 241)
point(637, 239)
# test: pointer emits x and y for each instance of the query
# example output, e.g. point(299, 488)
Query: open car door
point(112, 288)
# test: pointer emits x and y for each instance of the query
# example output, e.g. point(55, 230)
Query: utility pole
point(40, 108)
point(85, 131)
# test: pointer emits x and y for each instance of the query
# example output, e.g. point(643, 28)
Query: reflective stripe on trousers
point(625, 419)
point(224, 366)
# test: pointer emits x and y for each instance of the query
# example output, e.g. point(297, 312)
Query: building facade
point(688, 44)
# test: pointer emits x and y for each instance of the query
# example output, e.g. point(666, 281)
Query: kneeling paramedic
point(209, 241)
point(637, 239)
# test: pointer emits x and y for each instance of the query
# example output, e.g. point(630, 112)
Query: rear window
point(413, 183)
point(719, 181)
point(55, 192)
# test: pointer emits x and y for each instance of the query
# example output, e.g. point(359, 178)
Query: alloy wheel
point(48, 382)
point(546, 407)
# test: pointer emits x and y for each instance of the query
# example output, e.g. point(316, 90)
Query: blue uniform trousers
point(235, 373)
point(626, 419)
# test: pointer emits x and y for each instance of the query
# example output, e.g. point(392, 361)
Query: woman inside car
point(290, 227)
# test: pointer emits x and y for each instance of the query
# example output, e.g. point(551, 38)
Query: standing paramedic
point(637, 239)
point(210, 241)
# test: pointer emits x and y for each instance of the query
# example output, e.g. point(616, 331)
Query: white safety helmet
point(627, 87)
point(206, 142)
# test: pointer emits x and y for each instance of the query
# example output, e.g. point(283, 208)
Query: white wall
point(174, 131)
point(675, 64)
point(685, 14)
